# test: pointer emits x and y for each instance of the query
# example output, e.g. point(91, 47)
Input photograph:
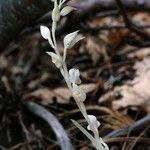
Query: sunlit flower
point(93, 121)
point(78, 93)
point(74, 76)
point(55, 59)
point(71, 39)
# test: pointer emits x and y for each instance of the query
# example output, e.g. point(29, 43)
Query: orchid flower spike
point(74, 76)
point(55, 59)
point(78, 93)
point(71, 39)
point(93, 121)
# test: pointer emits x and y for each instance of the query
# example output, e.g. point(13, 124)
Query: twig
point(24, 130)
point(136, 127)
point(2, 148)
point(19, 145)
point(127, 139)
point(129, 24)
point(61, 135)
point(110, 27)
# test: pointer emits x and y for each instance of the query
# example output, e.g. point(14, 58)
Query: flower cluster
point(77, 92)
point(72, 77)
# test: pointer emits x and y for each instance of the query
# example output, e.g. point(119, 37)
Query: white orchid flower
point(74, 76)
point(78, 93)
point(71, 39)
point(55, 59)
point(93, 121)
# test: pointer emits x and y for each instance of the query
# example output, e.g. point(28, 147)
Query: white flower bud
point(56, 12)
point(71, 39)
point(74, 76)
point(66, 10)
point(55, 59)
point(45, 32)
point(93, 121)
point(78, 93)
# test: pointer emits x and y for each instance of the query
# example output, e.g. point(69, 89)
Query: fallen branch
point(134, 128)
point(60, 133)
point(88, 7)
point(129, 24)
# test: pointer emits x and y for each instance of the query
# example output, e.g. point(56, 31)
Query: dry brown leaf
point(142, 19)
point(45, 94)
point(34, 83)
point(94, 49)
point(106, 41)
point(136, 93)
point(3, 62)
point(62, 94)
point(141, 53)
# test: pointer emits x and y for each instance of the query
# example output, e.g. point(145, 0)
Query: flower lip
point(94, 122)
point(74, 76)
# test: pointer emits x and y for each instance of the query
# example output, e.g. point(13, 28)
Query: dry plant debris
point(136, 92)
point(61, 94)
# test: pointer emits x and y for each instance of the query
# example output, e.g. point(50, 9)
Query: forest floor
point(114, 61)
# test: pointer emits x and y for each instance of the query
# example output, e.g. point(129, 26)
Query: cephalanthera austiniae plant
point(71, 77)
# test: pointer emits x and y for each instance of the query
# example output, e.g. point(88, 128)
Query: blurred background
point(114, 61)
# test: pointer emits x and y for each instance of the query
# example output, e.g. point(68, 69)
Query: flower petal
point(76, 39)
point(93, 121)
point(45, 32)
point(66, 10)
point(55, 59)
point(74, 76)
point(69, 38)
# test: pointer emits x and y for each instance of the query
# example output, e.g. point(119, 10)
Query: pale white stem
point(83, 130)
point(66, 74)
point(82, 108)
point(61, 3)
point(64, 55)
point(51, 43)
point(96, 143)
point(54, 24)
